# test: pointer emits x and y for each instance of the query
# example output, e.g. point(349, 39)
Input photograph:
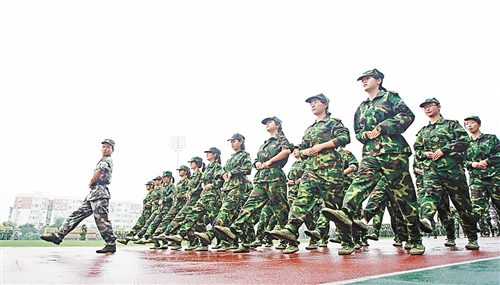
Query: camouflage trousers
point(452, 183)
point(233, 200)
point(482, 189)
point(267, 221)
point(100, 210)
point(380, 199)
point(172, 212)
point(159, 215)
point(204, 211)
point(140, 222)
point(154, 212)
point(178, 221)
point(395, 169)
point(263, 192)
point(314, 193)
point(443, 213)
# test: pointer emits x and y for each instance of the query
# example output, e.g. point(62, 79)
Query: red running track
point(139, 265)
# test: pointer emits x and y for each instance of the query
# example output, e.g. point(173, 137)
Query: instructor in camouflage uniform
point(96, 203)
point(379, 123)
point(441, 147)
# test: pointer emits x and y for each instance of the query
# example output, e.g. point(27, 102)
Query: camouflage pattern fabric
point(445, 175)
point(323, 173)
point(484, 183)
point(179, 200)
point(146, 212)
point(100, 186)
point(294, 174)
point(380, 199)
point(194, 195)
point(384, 156)
point(269, 186)
point(100, 209)
point(234, 190)
point(206, 208)
point(388, 114)
point(166, 193)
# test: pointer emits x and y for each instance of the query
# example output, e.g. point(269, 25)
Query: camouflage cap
point(429, 101)
point(213, 150)
point(320, 97)
point(475, 118)
point(275, 119)
point(167, 174)
point(150, 183)
point(196, 159)
point(237, 137)
point(110, 142)
point(157, 178)
point(375, 73)
point(183, 167)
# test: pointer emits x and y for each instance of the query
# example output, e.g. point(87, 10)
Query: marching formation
point(215, 202)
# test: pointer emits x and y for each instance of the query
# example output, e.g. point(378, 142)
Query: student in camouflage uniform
point(156, 195)
point(322, 224)
point(178, 201)
point(441, 147)
point(269, 186)
point(195, 188)
point(483, 164)
point(207, 206)
point(96, 202)
point(146, 212)
point(166, 191)
point(379, 123)
point(234, 189)
point(322, 176)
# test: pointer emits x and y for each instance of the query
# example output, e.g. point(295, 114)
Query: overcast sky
point(73, 73)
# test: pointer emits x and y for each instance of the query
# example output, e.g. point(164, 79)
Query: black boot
point(106, 249)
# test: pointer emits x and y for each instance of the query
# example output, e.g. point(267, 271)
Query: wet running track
point(140, 265)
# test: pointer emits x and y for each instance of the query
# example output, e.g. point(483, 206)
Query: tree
point(9, 224)
point(57, 222)
point(26, 229)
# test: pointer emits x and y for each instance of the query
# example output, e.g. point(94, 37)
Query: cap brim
point(266, 120)
point(308, 100)
point(361, 77)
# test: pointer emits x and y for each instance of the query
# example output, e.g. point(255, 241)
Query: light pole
point(178, 143)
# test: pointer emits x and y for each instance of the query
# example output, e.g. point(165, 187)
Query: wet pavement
point(140, 265)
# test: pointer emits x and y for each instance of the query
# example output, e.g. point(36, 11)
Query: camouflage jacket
point(182, 188)
point(156, 194)
point(327, 164)
point(388, 114)
point(195, 184)
point(448, 136)
point(417, 164)
point(239, 165)
point(296, 170)
point(100, 187)
point(268, 150)
point(485, 147)
point(213, 175)
point(148, 201)
point(167, 192)
point(349, 160)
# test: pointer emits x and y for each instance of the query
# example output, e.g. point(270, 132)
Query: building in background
point(41, 209)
